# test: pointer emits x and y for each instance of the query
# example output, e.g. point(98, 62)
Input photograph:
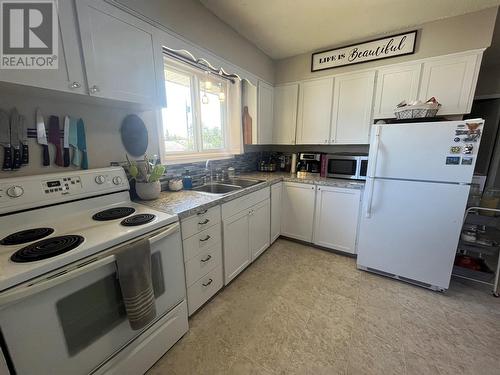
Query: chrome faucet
point(209, 170)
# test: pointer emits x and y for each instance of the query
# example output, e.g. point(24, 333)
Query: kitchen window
point(194, 124)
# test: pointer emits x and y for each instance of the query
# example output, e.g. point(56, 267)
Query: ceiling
point(283, 28)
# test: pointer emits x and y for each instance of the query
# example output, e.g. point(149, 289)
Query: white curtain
point(235, 115)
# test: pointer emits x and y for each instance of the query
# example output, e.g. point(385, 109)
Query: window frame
point(198, 153)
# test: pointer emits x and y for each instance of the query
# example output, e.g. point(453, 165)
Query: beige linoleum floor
point(300, 310)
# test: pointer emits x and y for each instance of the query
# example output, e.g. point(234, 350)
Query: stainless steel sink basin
point(227, 186)
point(217, 188)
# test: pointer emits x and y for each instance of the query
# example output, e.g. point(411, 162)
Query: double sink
point(227, 186)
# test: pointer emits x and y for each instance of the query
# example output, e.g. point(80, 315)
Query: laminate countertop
point(185, 203)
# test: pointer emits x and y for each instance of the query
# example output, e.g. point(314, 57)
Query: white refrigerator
point(415, 197)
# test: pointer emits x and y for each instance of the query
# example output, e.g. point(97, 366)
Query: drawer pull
point(208, 282)
point(202, 212)
point(205, 239)
point(207, 258)
point(204, 222)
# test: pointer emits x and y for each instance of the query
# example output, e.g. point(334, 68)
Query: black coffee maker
point(309, 162)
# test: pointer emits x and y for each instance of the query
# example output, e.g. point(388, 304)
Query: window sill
point(171, 159)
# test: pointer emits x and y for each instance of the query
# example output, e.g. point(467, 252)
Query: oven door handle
point(60, 276)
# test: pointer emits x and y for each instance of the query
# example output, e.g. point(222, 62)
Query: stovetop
point(75, 219)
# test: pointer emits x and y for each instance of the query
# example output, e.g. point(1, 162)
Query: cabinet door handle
point(205, 239)
point(75, 85)
point(207, 258)
point(204, 222)
point(208, 282)
point(94, 89)
point(202, 212)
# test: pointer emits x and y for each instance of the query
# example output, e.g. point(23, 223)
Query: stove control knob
point(117, 180)
point(100, 179)
point(15, 191)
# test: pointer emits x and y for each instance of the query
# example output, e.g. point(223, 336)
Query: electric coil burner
point(138, 219)
point(47, 248)
point(113, 213)
point(25, 236)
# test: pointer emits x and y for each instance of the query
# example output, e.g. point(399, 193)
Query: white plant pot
point(148, 190)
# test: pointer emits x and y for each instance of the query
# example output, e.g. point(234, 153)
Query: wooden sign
point(377, 49)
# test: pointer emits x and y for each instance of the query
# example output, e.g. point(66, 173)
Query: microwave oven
point(344, 165)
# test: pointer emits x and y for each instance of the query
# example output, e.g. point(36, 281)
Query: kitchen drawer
point(231, 208)
point(203, 263)
point(201, 291)
point(200, 221)
point(201, 241)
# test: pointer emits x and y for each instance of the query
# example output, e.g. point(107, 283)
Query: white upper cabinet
point(265, 114)
point(336, 218)
point(314, 111)
point(395, 84)
point(285, 114)
point(118, 52)
point(352, 108)
point(452, 81)
point(69, 76)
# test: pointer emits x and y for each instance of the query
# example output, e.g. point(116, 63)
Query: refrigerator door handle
point(373, 166)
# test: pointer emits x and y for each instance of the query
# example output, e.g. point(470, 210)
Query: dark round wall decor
point(134, 135)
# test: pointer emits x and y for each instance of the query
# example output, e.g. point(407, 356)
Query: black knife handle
point(45, 155)
point(7, 159)
point(66, 157)
point(16, 161)
point(25, 155)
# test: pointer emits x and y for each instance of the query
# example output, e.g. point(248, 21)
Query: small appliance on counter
point(309, 164)
point(347, 165)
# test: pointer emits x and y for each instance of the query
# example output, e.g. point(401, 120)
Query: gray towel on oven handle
point(134, 273)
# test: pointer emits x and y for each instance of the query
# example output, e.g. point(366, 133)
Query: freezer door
point(422, 151)
point(413, 229)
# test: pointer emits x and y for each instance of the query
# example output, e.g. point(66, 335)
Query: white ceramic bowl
point(148, 190)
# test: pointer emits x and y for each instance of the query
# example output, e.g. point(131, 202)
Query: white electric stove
point(58, 278)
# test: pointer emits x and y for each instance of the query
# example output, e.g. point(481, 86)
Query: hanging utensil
point(82, 143)
point(73, 141)
point(14, 139)
point(5, 140)
point(66, 142)
point(55, 138)
point(25, 158)
point(41, 137)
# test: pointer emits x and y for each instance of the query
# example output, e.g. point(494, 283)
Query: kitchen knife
point(82, 143)
point(66, 142)
point(55, 138)
point(25, 154)
point(73, 141)
point(15, 135)
point(41, 137)
point(5, 140)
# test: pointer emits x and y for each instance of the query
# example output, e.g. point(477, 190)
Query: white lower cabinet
point(297, 213)
point(259, 228)
point(202, 248)
point(246, 227)
point(276, 200)
point(236, 245)
point(336, 218)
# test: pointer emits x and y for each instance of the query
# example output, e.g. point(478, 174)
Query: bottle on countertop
point(187, 181)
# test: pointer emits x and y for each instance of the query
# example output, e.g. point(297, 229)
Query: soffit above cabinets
point(281, 30)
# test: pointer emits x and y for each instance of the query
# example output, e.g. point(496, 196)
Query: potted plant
point(147, 178)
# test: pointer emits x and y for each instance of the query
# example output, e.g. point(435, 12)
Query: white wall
point(191, 20)
point(102, 127)
point(455, 34)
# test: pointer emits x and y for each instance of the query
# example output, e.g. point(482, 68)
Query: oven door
point(74, 319)
point(342, 167)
